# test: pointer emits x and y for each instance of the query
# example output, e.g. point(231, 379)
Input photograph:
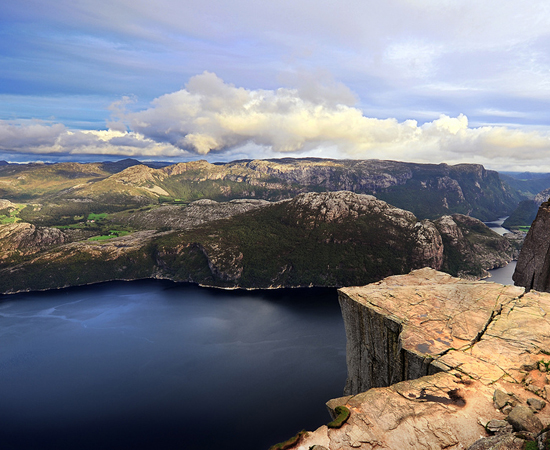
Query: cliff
point(437, 362)
point(533, 267)
point(315, 239)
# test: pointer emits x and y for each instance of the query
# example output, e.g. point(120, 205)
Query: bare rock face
point(468, 242)
point(436, 362)
point(196, 214)
point(533, 267)
point(26, 239)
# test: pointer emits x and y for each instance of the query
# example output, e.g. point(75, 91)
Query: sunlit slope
point(34, 182)
point(427, 190)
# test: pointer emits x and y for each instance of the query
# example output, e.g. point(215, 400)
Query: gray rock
point(543, 439)
point(536, 404)
point(523, 419)
point(506, 410)
point(500, 442)
point(499, 426)
point(501, 399)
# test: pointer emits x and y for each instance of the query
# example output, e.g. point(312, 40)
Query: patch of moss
point(341, 418)
point(289, 442)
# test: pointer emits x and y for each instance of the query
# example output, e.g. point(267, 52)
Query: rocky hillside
point(526, 211)
point(427, 190)
point(315, 239)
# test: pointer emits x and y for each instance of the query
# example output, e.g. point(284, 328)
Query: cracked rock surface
point(436, 362)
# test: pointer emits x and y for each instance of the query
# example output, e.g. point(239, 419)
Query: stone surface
point(536, 404)
point(432, 357)
point(523, 419)
point(501, 399)
point(503, 442)
point(498, 426)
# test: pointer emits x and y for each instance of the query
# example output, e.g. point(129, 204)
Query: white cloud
point(214, 118)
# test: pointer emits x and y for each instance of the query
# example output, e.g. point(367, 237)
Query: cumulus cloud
point(211, 117)
point(55, 139)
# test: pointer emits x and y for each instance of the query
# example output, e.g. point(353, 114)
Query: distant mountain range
point(316, 239)
point(427, 190)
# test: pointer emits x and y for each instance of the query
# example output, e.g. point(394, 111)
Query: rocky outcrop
point(479, 350)
point(533, 267)
point(469, 244)
point(315, 239)
point(186, 217)
point(26, 239)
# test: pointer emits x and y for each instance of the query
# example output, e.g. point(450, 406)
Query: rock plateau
point(436, 362)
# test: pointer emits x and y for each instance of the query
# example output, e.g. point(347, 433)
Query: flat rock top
point(486, 338)
point(438, 312)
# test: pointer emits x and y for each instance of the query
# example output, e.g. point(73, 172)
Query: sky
point(455, 81)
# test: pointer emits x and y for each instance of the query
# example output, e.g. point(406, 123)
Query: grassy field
point(11, 216)
point(112, 234)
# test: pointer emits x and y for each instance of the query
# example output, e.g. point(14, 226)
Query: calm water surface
point(503, 275)
point(155, 365)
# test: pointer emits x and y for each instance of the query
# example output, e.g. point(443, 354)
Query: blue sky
point(415, 80)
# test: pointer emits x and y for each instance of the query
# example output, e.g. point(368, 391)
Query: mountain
point(527, 183)
point(316, 239)
point(427, 190)
point(526, 211)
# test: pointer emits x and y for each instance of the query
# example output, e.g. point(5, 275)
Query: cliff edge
point(437, 362)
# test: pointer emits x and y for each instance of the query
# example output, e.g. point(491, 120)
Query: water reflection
point(162, 366)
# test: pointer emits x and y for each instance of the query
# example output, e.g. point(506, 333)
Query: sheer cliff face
point(533, 267)
point(436, 362)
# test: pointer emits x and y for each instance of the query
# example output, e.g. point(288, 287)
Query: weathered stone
point(420, 317)
point(318, 447)
point(501, 399)
point(542, 367)
point(481, 337)
point(506, 410)
point(500, 442)
point(536, 404)
point(498, 426)
point(543, 440)
point(523, 419)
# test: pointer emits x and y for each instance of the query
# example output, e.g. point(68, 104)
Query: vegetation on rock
point(342, 416)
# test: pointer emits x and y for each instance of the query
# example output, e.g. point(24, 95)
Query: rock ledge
point(436, 362)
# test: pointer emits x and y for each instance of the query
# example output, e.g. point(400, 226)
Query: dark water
point(154, 365)
point(496, 226)
point(503, 275)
